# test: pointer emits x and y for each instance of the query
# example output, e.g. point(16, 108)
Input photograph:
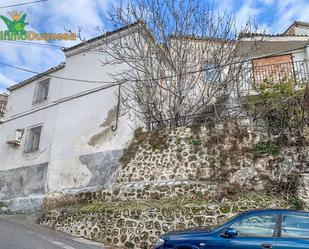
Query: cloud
point(287, 12)
point(274, 16)
point(4, 82)
point(247, 11)
point(268, 2)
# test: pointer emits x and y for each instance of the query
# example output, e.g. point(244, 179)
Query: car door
point(253, 232)
point(294, 232)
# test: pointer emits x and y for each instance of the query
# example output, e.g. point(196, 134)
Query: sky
point(56, 16)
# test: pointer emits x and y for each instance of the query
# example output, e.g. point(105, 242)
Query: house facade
point(63, 128)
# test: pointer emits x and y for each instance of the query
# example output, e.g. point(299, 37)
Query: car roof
point(276, 211)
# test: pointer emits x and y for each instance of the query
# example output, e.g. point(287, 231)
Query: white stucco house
point(61, 131)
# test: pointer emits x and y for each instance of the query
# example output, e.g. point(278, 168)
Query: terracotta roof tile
point(36, 77)
point(248, 35)
point(107, 34)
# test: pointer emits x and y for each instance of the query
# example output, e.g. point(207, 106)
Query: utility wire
point(20, 4)
point(63, 100)
point(54, 76)
point(33, 44)
point(97, 51)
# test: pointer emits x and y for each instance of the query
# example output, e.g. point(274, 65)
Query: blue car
point(259, 229)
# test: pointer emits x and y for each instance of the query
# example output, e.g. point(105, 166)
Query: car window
point(294, 226)
point(256, 226)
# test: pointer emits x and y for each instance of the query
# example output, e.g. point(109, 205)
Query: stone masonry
point(181, 178)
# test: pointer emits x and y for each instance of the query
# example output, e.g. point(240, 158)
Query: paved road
point(17, 232)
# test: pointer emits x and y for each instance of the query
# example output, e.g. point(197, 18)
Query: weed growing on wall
point(265, 148)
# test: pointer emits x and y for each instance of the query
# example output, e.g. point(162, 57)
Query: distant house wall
point(301, 30)
point(298, 28)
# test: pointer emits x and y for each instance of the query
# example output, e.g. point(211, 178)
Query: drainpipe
point(307, 59)
point(307, 52)
point(115, 127)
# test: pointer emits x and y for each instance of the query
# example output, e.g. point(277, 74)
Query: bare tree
point(179, 59)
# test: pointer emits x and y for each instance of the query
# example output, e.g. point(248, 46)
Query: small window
point(41, 91)
point(295, 227)
point(33, 139)
point(212, 73)
point(256, 226)
point(2, 107)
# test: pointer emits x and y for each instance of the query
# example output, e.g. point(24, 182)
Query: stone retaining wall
point(131, 224)
point(227, 155)
point(133, 191)
point(182, 178)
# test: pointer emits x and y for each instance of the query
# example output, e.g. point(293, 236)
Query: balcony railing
point(297, 71)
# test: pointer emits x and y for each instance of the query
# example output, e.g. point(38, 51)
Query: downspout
point(307, 59)
point(115, 127)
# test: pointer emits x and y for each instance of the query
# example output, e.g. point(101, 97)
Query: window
point(33, 139)
point(295, 227)
point(256, 226)
point(2, 107)
point(41, 91)
point(212, 73)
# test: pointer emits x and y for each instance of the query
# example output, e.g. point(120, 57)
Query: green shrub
point(279, 105)
point(138, 132)
point(197, 142)
point(130, 151)
point(158, 140)
point(297, 203)
point(265, 148)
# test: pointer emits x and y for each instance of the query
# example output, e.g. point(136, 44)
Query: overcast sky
point(52, 16)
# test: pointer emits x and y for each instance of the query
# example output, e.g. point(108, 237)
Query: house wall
point(78, 147)
point(301, 30)
point(298, 30)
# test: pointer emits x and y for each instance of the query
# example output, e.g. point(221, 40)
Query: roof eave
point(36, 77)
point(94, 41)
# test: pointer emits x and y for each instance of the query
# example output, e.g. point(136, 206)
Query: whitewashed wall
point(71, 127)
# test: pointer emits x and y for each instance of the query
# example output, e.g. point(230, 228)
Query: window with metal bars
point(2, 107)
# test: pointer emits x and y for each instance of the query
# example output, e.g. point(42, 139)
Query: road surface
point(17, 232)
